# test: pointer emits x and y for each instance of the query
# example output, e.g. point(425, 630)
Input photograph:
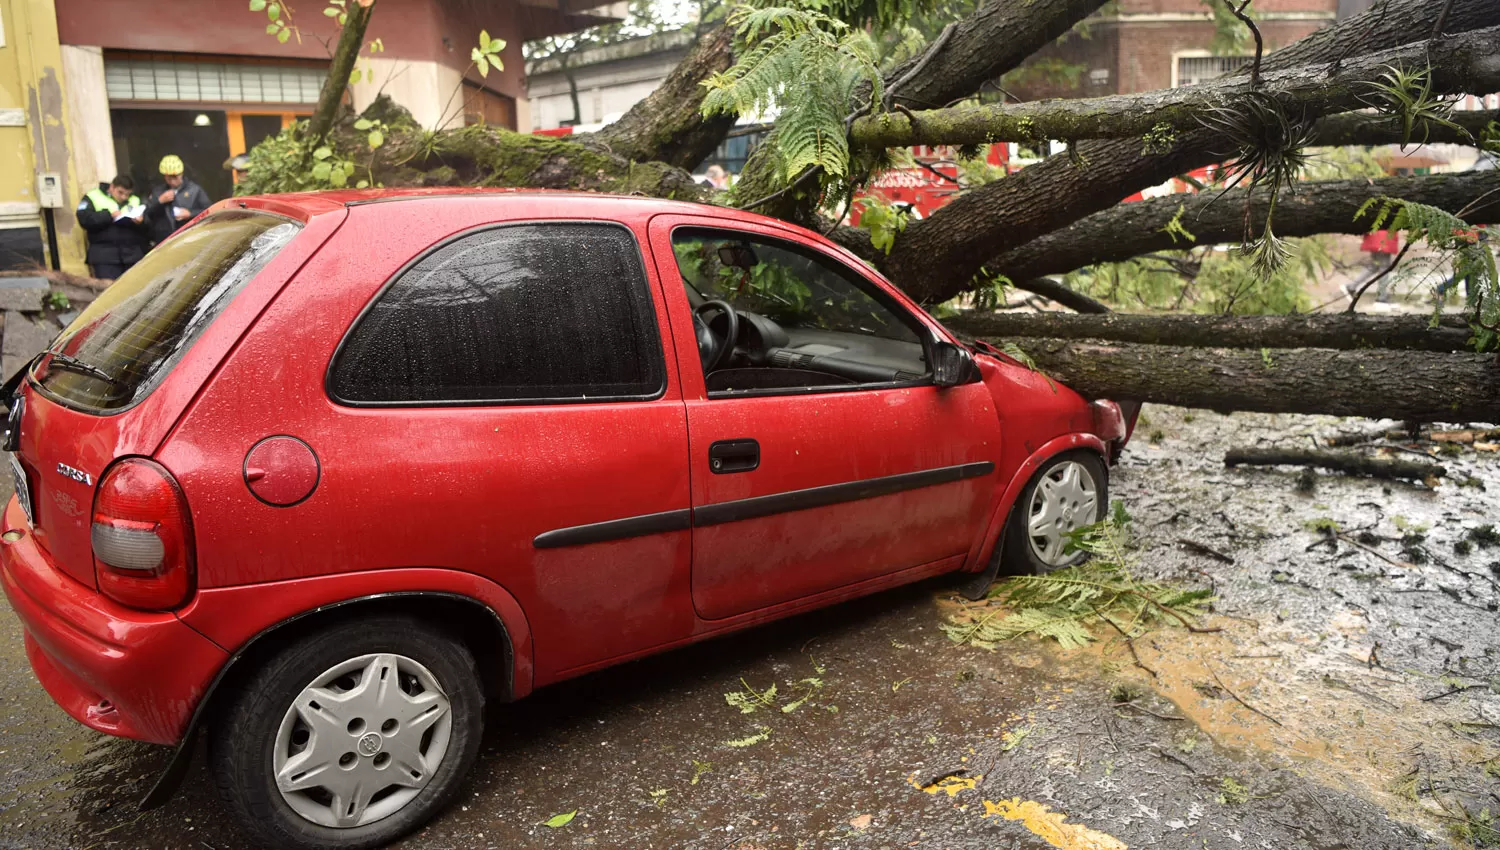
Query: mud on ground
point(1351, 700)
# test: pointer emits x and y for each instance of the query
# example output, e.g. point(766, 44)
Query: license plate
point(23, 489)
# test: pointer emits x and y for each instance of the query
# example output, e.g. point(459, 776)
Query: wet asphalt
point(1283, 730)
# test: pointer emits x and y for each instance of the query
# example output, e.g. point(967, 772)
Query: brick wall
point(1260, 7)
point(1146, 49)
point(1133, 51)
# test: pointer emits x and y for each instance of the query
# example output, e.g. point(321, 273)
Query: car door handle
point(726, 456)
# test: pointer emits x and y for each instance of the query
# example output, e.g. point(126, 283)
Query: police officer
point(113, 218)
point(173, 201)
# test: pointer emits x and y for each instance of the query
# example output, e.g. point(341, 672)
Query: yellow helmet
point(170, 164)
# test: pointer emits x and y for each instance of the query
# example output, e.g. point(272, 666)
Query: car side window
point(556, 312)
point(805, 320)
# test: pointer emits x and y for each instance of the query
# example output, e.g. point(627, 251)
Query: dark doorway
point(144, 136)
point(258, 128)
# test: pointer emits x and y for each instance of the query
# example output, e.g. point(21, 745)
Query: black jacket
point(159, 218)
point(111, 243)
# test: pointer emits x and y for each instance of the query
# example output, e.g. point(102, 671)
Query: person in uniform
point(114, 220)
point(174, 201)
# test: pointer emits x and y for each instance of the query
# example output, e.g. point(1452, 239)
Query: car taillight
point(142, 537)
point(1109, 422)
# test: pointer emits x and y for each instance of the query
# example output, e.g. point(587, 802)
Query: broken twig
point(1204, 549)
point(1236, 698)
point(1337, 461)
point(1376, 552)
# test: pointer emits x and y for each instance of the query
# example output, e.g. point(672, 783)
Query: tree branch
point(997, 37)
point(668, 126)
point(1318, 330)
point(1462, 64)
point(935, 258)
point(1054, 291)
point(1422, 386)
point(1132, 229)
point(1364, 128)
point(351, 41)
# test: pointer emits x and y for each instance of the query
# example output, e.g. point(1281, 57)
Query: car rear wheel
point(1069, 492)
point(351, 737)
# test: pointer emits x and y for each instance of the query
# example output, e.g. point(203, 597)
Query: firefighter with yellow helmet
point(173, 202)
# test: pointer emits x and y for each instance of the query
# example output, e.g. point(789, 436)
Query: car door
point(805, 482)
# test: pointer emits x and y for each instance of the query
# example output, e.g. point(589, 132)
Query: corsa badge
point(76, 474)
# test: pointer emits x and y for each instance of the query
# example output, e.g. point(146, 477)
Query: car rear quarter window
point(128, 339)
point(553, 312)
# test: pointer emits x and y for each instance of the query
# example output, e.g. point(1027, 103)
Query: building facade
point(606, 80)
point(92, 88)
point(1145, 45)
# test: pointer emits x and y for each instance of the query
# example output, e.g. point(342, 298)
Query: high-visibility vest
point(103, 202)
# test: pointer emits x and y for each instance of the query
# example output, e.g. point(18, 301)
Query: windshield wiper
point(69, 363)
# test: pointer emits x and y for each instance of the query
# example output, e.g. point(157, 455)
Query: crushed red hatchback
point(325, 473)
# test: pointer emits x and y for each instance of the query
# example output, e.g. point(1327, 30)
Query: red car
point(325, 473)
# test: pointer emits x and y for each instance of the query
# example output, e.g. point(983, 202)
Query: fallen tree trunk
point(1354, 464)
point(1410, 385)
point(1465, 60)
point(1329, 206)
point(1319, 330)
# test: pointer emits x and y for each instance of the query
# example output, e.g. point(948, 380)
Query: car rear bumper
point(135, 674)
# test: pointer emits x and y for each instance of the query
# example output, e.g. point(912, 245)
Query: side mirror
point(952, 365)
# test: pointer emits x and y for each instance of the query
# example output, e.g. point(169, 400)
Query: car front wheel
point(351, 737)
point(1069, 492)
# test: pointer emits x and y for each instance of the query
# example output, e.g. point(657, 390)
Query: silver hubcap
point(362, 740)
point(1065, 500)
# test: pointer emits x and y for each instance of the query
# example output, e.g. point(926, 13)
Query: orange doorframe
point(235, 124)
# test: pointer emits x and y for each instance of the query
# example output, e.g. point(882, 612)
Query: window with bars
point(1192, 70)
point(207, 81)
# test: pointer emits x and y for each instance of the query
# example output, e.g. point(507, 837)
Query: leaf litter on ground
point(1066, 604)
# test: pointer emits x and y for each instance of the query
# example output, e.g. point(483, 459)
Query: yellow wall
point(31, 79)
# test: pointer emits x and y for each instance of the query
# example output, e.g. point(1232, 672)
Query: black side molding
point(832, 494)
point(615, 529)
point(760, 506)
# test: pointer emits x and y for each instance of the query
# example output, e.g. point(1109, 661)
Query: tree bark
point(1070, 298)
point(1469, 62)
point(997, 37)
point(1363, 128)
point(935, 259)
point(345, 55)
point(1414, 385)
point(572, 90)
point(1344, 331)
point(485, 155)
point(668, 126)
point(1214, 217)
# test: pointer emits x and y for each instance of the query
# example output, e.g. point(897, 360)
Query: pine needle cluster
point(1068, 604)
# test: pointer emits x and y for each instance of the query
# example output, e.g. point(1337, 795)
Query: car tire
point(259, 732)
point(1025, 553)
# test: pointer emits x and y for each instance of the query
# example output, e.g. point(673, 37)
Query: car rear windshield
point(120, 348)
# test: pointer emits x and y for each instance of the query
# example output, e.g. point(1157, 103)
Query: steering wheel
point(713, 351)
